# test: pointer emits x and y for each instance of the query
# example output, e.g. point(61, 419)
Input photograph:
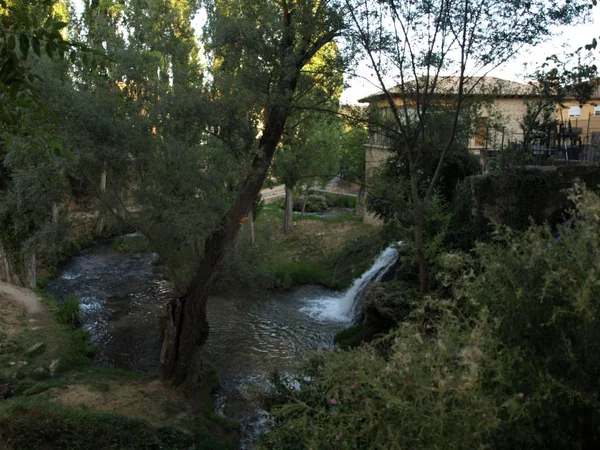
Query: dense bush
point(508, 358)
point(68, 312)
point(419, 388)
point(314, 203)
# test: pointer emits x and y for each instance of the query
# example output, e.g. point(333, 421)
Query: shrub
point(421, 388)
point(68, 312)
point(542, 291)
point(508, 360)
point(315, 203)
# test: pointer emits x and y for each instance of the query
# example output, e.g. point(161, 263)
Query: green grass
point(31, 425)
point(131, 244)
point(286, 274)
point(42, 386)
point(272, 211)
point(68, 312)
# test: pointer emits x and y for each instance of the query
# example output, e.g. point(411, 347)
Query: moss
point(350, 337)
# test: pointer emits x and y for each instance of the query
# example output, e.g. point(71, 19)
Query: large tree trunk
point(288, 221)
point(186, 329)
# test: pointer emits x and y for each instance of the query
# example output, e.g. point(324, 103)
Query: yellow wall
point(507, 114)
point(587, 121)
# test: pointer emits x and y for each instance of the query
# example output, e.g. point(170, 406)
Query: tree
point(353, 158)
point(264, 64)
point(414, 43)
point(31, 163)
point(308, 156)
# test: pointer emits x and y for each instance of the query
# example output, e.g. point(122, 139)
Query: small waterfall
point(346, 307)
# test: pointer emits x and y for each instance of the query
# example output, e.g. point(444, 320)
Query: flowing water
point(123, 297)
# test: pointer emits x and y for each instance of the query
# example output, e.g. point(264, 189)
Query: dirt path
point(22, 296)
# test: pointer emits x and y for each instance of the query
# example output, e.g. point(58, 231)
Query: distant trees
point(32, 157)
point(309, 155)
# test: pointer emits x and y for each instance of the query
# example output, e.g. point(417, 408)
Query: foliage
point(423, 391)
point(44, 425)
point(352, 165)
point(425, 116)
point(243, 271)
point(541, 290)
point(503, 355)
point(131, 244)
point(286, 275)
point(350, 337)
point(516, 197)
point(32, 158)
point(68, 312)
point(314, 203)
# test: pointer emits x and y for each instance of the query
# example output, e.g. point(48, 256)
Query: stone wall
point(514, 197)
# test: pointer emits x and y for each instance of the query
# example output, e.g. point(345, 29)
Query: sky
point(565, 39)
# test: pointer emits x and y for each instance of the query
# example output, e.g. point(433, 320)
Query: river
point(123, 297)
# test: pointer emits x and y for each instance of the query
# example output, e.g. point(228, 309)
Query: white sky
point(566, 38)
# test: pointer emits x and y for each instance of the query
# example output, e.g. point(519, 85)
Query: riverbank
point(330, 250)
point(55, 398)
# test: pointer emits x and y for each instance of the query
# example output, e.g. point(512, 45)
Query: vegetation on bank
point(330, 251)
point(502, 354)
point(60, 401)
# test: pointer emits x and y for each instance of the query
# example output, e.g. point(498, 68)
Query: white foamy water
point(344, 308)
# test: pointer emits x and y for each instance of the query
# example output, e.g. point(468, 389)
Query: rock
point(36, 348)
point(12, 363)
point(6, 391)
point(53, 366)
point(32, 320)
point(40, 372)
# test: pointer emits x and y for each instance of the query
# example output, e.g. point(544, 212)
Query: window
point(574, 111)
point(596, 111)
point(481, 132)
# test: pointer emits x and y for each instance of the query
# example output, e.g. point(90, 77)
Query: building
point(497, 108)
point(584, 120)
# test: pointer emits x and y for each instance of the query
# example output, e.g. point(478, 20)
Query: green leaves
point(24, 45)
point(35, 45)
point(11, 42)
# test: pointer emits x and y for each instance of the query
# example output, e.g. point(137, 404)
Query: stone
point(53, 366)
point(6, 391)
point(36, 348)
point(12, 363)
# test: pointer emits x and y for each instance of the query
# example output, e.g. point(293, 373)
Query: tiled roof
point(486, 86)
